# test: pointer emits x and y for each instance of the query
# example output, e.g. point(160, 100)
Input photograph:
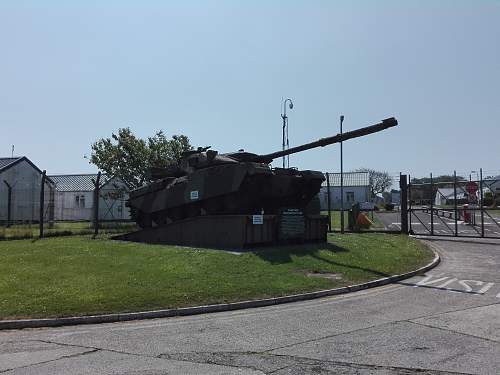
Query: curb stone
point(184, 311)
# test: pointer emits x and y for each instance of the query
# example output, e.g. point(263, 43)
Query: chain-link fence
point(351, 204)
point(29, 211)
point(459, 205)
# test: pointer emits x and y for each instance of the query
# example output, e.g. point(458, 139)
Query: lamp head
point(290, 105)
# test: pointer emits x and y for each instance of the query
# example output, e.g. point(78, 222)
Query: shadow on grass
point(283, 254)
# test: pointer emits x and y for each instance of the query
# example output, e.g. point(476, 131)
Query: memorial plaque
point(291, 224)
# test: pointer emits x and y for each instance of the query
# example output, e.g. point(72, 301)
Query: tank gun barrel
point(385, 124)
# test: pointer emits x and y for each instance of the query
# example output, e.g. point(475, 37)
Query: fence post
point(328, 202)
point(51, 205)
point(42, 202)
point(410, 229)
point(9, 201)
point(481, 205)
point(403, 186)
point(96, 204)
point(432, 208)
point(455, 201)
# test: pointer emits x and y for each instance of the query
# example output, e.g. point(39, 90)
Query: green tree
point(129, 158)
point(437, 179)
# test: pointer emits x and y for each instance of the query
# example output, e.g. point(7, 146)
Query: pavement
point(443, 322)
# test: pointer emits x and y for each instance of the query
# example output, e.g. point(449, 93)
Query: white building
point(74, 198)
point(356, 190)
point(446, 196)
point(23, 179)
point(493, 184)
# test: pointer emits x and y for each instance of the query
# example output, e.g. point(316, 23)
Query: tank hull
point(241, 188)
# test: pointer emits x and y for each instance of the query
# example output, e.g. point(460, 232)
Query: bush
point(389, 206)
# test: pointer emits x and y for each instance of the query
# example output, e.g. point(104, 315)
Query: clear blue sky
point(71, 72)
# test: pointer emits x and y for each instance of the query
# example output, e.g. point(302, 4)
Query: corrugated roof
point(6, 161)
point(76, 182)
point(350, 179)
point(450, 192)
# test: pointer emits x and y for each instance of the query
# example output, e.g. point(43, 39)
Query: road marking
point(485, 288)
point(468, 286)
point(443, 285)
point(425, 281)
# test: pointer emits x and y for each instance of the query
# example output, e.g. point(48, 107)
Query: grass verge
point(26, 231)
point(68, 276)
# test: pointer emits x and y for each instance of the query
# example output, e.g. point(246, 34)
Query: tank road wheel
point(176, 213)
point(213, 206)
point(160, 218)
point(144, 220)
point(193, 210)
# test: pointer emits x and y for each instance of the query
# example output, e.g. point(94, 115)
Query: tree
point(379, 181)
point(437, 179)
point(129, 158)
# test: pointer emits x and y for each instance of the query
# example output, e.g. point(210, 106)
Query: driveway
point(444, 322)
point(443, 225)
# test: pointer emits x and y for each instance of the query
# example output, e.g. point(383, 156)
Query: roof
point(8, 162)
point(350, 179)
point(450, 192)
point(76, 182)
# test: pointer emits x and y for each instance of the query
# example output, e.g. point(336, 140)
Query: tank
point(205, 182)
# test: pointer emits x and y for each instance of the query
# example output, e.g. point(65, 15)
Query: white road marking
point(443, 285)
point(467, 286)
point(485, 288)
point(425, 281)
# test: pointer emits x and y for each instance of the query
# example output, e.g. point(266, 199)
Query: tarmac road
point(444, 322)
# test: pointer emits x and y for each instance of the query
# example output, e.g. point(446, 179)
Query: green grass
point(77, 275)
point(22, 231)
point(336, 215)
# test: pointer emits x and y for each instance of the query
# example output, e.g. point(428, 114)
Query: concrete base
point(225, 231)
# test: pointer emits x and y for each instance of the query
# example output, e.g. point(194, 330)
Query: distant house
point(356, 190)
point(74, 198)
point(446, 196)
point(493, 184)
point(23, 179)
point(395, 197)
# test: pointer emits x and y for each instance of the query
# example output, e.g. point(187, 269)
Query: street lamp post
point(285, 141)
point(341, 180)
point(470, 175)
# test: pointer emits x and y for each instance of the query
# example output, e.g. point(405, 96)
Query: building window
point(350, 196)
point(80, 201)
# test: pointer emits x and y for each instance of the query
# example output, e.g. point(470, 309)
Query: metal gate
point(457, 208)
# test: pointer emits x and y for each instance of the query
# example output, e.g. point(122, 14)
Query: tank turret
point(206, 182)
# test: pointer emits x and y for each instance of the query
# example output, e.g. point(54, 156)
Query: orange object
point(363, 221)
